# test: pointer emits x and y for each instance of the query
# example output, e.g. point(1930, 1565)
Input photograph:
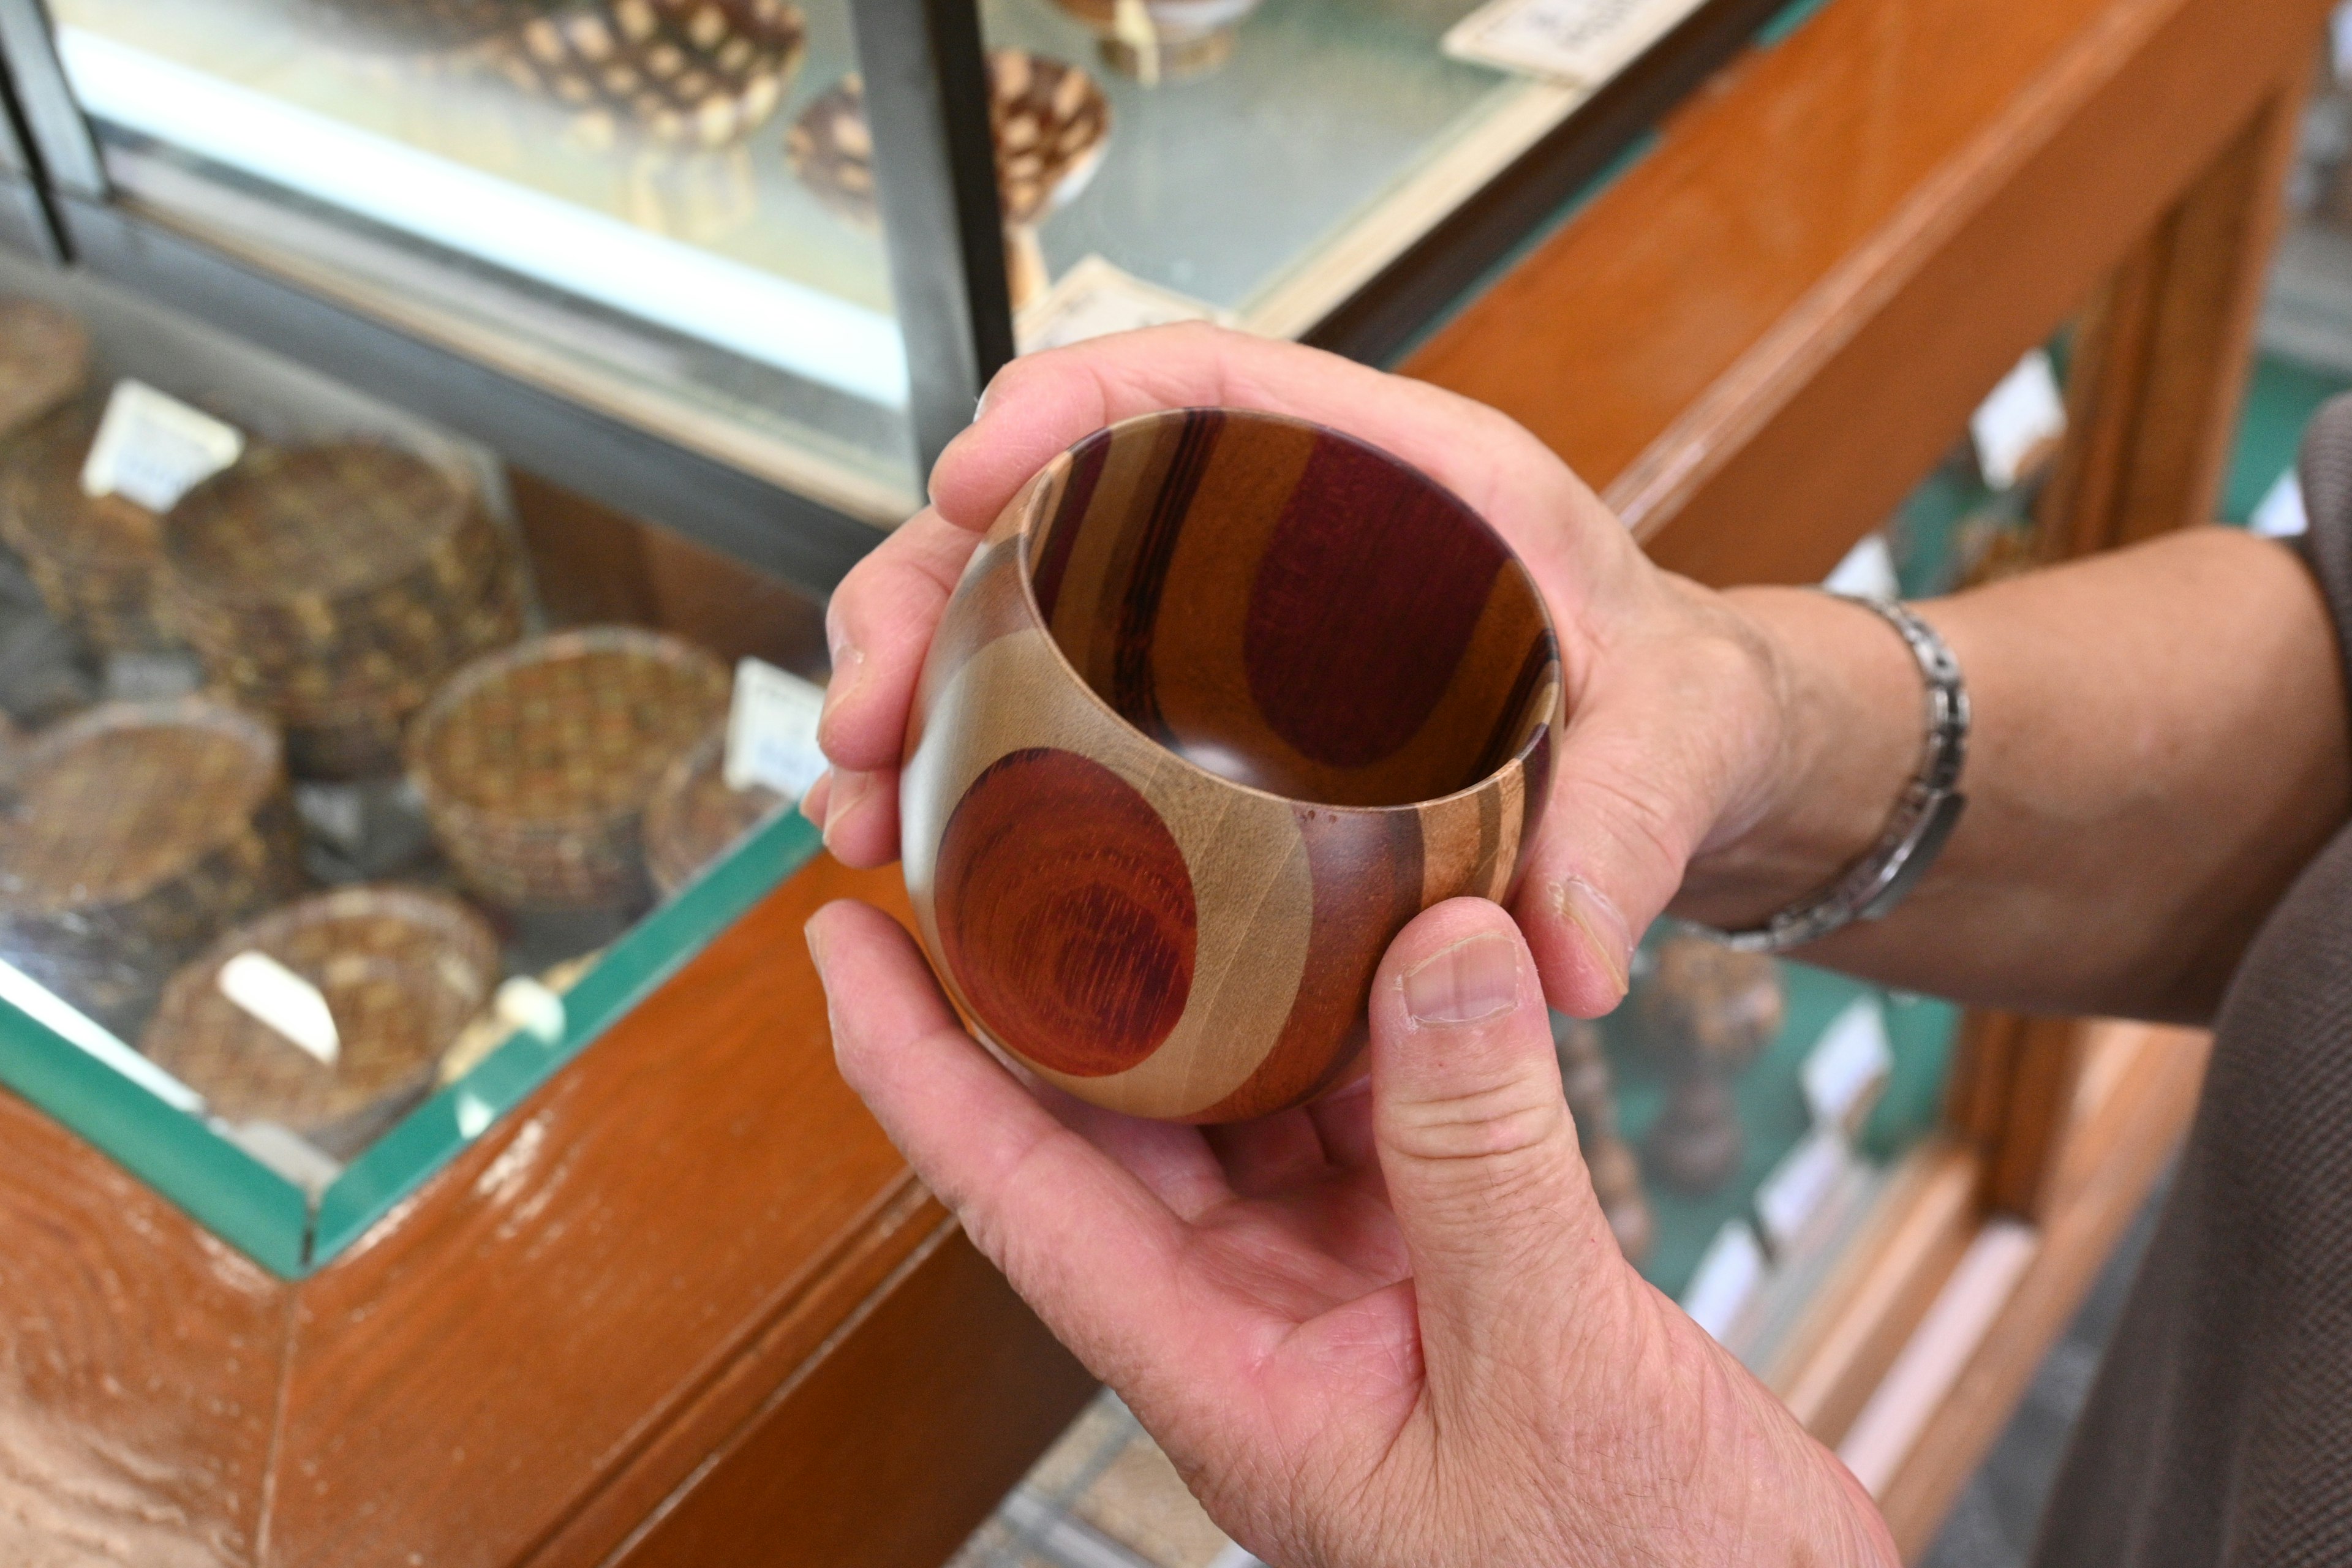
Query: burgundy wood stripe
point(1132, 689)
point(1066, 913)
point(1086, 465)
point(1364, 605)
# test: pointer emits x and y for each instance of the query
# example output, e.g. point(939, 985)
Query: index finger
point(1041, 404)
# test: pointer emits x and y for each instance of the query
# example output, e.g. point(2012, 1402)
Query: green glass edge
point(1792, 16)
point(211, 1180)
point(429, 1136)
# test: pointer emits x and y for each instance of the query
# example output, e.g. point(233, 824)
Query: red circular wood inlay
point(1065, 912)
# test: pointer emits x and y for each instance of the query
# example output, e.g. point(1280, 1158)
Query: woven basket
point(133, 834)
point(94, 561)
point(695, 817)
point(401, 970)
point(536, 764)
point(1050, 121)
point(692, 73)
point(44, 362)
point(335, 586)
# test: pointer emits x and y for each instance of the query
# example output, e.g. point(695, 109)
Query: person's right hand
point(1674, 736)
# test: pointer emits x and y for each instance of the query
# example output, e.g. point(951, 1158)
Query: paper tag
point(1585, 42)
point(530, 1007)
point(1095, 299)
point(1728, 1273)
point(1868, 571)
point(2025, 415)
point(1848, 1067)
point(282, 1001)
point(1800, 1186)
point(771, 730)
point(2339, 34)
point(2281, 514)
point(152, 448)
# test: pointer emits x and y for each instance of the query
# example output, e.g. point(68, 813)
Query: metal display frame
point(927, 77)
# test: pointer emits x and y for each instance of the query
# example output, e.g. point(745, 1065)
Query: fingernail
point(1603, 930)
point(812, 803)
point(848, 790)
point(815, 937)
point(1467, 982)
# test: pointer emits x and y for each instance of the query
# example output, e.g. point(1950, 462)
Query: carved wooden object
point(1222, 702)
point(1709, 1011)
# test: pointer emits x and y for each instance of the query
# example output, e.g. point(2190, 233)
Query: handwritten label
point(1095, 299)
point(771, 730)
point(283, 1002)
point(1847, 1069)
point(1583, 42)
point(152, 449)
point(1728, 1274)
point(2023, 419)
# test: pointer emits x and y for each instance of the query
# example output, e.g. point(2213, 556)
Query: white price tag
point(152, 448)
point(1801, 1187)
point(1847, 1069)
point(1095, 299)
point(282, 1001)
point(2281, 514)
point(531, 1007)
point(1585, 42)
point(2025, 415)
point(1728, 1274)
point(1868, 571)
point(771, 730)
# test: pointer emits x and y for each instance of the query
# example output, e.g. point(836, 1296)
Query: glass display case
point(327, 832)
point(742, 265)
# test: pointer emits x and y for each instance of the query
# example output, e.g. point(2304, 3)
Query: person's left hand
point(1392, 1328)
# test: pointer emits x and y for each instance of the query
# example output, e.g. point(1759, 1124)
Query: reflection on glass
point(611, 166)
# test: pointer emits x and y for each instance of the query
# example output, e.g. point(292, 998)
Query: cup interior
point(1290, 608)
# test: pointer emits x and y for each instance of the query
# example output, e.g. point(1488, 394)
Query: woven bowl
point(1222, 702)
point(691, 73)
point(537, 764)
point(403, 972)
point(95, 561)
point(44, 362)
point(133, 834)
point(335, 586)
point(695, 817)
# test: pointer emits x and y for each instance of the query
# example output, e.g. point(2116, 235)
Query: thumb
point(1476, 1145)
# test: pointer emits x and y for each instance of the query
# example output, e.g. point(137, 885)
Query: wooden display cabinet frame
point(686, 1305)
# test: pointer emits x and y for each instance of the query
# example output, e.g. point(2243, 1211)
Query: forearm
point(2160, 746)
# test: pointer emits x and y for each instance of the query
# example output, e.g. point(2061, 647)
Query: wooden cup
point(1222, 700)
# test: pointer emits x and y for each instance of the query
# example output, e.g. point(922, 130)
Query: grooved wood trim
point(2146, 1092)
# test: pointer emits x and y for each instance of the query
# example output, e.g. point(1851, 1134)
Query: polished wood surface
point(686, 1303)
point(539, 1351)
point(1761, 337)
point(1222, 702)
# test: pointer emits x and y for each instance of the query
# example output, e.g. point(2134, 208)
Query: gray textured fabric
point(2220, 1430)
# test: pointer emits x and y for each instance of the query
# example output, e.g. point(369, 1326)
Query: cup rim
point(1031, 505)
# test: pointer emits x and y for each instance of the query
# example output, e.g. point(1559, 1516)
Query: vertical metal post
point(28, 221)
point(935, 173)
point(62, 143)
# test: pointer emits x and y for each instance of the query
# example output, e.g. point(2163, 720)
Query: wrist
point(1845, 742)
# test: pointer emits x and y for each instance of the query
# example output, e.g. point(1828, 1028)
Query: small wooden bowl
point(133, 834)
point(1051, 123)
point(402, 970)
point(690, 73)
point(44, 362)
point(1223, 701)
point(696, 816)
point(95, 561)
point(537, 764)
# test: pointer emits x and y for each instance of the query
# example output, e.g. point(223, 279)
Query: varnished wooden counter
point(686, 1305)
